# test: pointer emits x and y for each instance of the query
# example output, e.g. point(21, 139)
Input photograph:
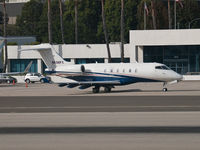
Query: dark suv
point(7, 79)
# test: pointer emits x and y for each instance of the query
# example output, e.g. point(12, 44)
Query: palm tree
point(5, 35)
point(122, 30)
point(153, 13)
point(76, 20)
point(105, 30)
point(61, 20)
point(49, 22)
point(169, 15)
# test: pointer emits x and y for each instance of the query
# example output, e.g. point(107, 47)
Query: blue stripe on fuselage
point(94, 76)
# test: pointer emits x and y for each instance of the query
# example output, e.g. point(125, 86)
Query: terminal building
point(178, 49)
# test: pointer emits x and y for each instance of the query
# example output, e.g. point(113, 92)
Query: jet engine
point(76, 69)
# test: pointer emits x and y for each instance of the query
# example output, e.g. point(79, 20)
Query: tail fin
point(49, 55)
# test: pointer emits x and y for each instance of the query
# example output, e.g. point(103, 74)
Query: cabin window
point(104, 70)
point(117, 70)
point(129, 70)
point(136, 70)
point(123, 70)
point(111, 70)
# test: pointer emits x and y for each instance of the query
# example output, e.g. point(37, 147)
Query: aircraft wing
point(10, 73)
point(16, 73)
point(89, 83)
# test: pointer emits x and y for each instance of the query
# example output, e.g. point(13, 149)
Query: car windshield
point(162, 67)
point(37, 74)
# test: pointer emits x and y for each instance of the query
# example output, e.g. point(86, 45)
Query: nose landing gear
point(164, 87)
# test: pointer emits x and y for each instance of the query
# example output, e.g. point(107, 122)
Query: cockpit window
point(165, 68)
point(158, 67)
point(162, 67)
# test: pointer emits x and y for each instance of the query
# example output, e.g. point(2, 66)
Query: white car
point(35, 77)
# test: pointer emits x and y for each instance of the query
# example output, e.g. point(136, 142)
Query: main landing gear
point(96, 89)
point(107, 89)
point(164, 87)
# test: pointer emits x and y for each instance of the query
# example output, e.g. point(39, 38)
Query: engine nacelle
point(76, 68)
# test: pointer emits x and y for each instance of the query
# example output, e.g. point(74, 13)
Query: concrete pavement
point(138, 89)
point(85, 131)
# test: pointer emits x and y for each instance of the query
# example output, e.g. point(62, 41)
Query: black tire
point(41, 80)
point(27, 81)
point(164, 89)
point(107, 89)
point(96, 90)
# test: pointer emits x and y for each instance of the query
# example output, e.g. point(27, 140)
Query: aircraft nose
point(179, 77)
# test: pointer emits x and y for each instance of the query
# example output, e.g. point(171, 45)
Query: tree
point(29, 21)
point(122, 30)
point(169, 15)
point(89, 14)
point(49, 22)
point(1, 21)
point(55, 23)
point(105, 30)
point(153, 14)
point(187, 13)
point(76, 20)
point(61, 20)
point(5, 35)
point(1, 17)
point(160, 13)
point(112, 12)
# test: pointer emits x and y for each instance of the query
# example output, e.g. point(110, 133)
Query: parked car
point(7, 79)
point(36, 77)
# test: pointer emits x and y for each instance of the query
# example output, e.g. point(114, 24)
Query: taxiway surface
point(97, 131)
point(99, 104)
point(138, 89)
point(139, 116)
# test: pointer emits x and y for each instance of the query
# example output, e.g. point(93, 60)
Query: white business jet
point(106, 75)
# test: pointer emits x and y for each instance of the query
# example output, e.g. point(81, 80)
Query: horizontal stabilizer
point(37, 47)
point(49, 55)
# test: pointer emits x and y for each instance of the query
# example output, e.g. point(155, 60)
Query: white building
point(179, 49)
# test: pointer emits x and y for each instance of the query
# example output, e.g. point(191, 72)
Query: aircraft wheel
point(107, 89)
point(96, 90)
point(164, 89)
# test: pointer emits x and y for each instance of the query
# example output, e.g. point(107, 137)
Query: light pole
point(193, 21)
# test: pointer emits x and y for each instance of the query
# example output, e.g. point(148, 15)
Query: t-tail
point(50, 57)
